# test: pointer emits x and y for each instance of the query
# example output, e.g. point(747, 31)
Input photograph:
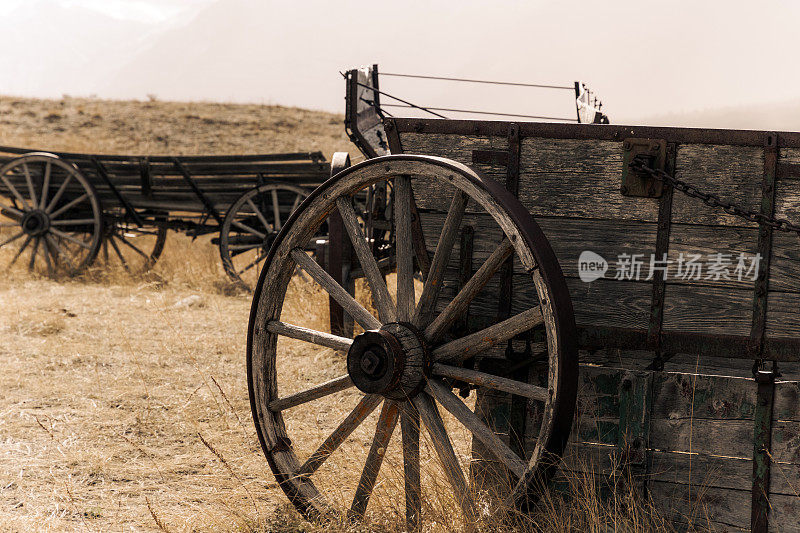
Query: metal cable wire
point(489, 113)
point(467, 80)
point(382, 93)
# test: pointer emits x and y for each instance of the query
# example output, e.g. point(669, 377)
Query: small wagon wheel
point(250, 226)
point(51, 210)
point(405, 359)
point(133, 248)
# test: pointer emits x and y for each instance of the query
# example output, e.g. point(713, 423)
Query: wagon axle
point(35, 223)
point(392, 361)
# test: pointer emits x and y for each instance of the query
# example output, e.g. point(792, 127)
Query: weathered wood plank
point(783, 314)
point(784, 273)
point(568, 237)
point(714, 310)
point(685, 396)
point(787, 200)
point(458, 148)
point(787, 401)
point(717, 508)
point(734, 173)
point(578, 178)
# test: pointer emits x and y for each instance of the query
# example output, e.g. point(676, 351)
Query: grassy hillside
point(175, 128)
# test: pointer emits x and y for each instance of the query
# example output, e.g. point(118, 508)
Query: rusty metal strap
point(103, 174)
point(199, 193)
point(762, 435)
point(662, 247)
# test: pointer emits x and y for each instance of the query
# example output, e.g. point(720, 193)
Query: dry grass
point(124, 399)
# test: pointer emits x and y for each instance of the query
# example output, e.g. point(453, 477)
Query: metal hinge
point(636, 182)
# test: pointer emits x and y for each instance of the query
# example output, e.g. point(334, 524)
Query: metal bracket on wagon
point(638, 183)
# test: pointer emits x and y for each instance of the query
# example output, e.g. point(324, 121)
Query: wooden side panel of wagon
point(666, 387)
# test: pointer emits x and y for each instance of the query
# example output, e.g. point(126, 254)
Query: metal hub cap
point(391, 361)
point(35, 223)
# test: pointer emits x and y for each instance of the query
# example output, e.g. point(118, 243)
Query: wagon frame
point(243, 198)
point(683, 383)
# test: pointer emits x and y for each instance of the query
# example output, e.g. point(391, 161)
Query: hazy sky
point(642, 57)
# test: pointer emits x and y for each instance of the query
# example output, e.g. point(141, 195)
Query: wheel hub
point(392, 361)
point(35, 223)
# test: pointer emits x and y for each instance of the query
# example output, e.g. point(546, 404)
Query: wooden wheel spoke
point(475, 425)
point(383, 433)
point(45, 184)
point(122, 260)
point(133, 247)
point(5, 209)
point(47, 260)
point(243, 247)
point(35, 249)
point(309, 335)
point(361, 411)
point(15, 192)
point(29, 181)
point(248, 229)
point(295, 203)
point(60, 251)
point(59, 194)
point(75, 221)
point(404, 249)
point(276, 209)
point(459, 305)
point(68, 205)
point(21, 249)
point(260, 257)
point(324, 389)
point(444, 449)
point(380, 293)
point(336, 291)
point(475, 343)
point(12, 238)
point(259, 214)
point(490, 381)
point(70, 238)
point(447, 238)
point(409, 425)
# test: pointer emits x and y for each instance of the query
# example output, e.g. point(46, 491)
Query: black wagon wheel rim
point(130, 247)
point(429, 361)
point(50, 215)
point(251, 224)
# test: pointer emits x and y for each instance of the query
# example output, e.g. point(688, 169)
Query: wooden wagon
point(591, 310)
point(64, 210)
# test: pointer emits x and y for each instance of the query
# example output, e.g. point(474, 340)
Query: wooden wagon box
point(667, 390)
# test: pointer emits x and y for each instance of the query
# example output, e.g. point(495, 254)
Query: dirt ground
point(119, 403)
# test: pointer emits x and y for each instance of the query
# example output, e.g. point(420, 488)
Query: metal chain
point(639, 163)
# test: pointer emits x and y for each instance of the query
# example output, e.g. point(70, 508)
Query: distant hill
point(175, 128)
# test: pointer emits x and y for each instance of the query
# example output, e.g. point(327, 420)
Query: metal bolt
point(369, 362)
point(624, 189)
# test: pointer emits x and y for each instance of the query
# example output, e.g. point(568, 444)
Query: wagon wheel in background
point(133, 248)
point(50, 215)
point(250, 226)
point(405, 361)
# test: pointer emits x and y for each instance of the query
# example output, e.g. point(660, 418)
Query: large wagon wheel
point(51, 210)
point(405, 359)
point(135, 249)
point(251, 224)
